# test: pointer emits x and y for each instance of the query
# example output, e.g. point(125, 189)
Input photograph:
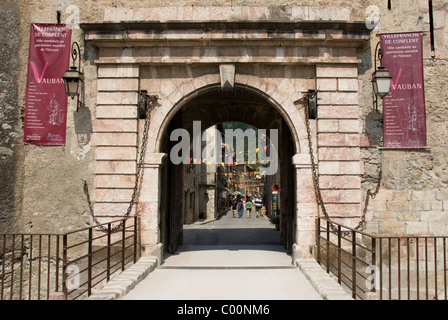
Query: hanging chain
point(150, 102)
point(320, 202)
point(370, 194)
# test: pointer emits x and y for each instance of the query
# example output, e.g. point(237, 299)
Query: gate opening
point(200, 189)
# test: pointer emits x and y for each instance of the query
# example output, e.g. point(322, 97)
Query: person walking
point(258, 205)
point(248, 208)
point(240, 208)
point(234, 208)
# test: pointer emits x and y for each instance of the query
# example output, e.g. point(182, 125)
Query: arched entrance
point(181, 183)
point(275, 63)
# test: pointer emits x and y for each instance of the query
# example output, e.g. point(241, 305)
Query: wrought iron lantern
point(381, 78)
point(381, 82)
point(74, 77)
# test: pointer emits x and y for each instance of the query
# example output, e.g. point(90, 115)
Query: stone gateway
point(217, 62)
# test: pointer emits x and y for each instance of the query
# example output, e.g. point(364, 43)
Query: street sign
point(275, 187)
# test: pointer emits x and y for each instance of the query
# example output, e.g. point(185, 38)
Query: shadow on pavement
point(232, 237)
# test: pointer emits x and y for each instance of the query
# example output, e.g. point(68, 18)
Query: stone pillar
point(338, 141)
point(115, 138)
point(149, 203)
point(307, 209)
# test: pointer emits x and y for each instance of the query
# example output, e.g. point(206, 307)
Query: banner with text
point(46, 101)
point(404, 106)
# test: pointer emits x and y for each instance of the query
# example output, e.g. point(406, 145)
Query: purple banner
point(46, 101)
point(404, 107)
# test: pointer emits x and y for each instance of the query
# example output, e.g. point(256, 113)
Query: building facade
point(280, 50)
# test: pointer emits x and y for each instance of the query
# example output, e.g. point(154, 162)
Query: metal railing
point(33, 266)
point(383, 267)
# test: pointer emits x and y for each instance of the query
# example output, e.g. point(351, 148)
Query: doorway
point(216, 183)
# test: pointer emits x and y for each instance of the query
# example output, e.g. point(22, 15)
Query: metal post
point(408, 268)
point(399, 267)
point(390, 266)
point(31, 267)
point(39, 267)
point(418, 267)
point(12, 265)
point(64, 264)
point(328, 246)
point(48, 267)
point(435, 269)
point(339, 255)
point(21, 267)
point(354, 264)
point(135, 238)
point(317, 239)
point(123, 238)
point(426, 267)
point(381, 268)
point(57, 264)
point(3, 266)
point(444, 267)
point(373, 264)
point(108, 250)
point(89, 261)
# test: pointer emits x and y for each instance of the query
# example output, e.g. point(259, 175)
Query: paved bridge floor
point(230, 258)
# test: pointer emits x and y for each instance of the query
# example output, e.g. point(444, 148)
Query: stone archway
point(211, 106)
point(287, 111)
point(279, 60)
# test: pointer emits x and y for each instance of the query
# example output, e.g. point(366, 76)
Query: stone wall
point(409, 212)
point(413, 184)
point(11, 147)
point(338, 140)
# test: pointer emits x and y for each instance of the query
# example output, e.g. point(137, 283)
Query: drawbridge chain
point(370, 194)
point(318, 195)
point(151, 103)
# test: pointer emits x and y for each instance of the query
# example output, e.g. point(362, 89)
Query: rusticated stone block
point(115, 181)
point(113, 195)
point(114, 139)
point(340, 182)
point(338, 112)
point(115, 167)
point(343, 209)
point(338, 98)
point(397, 205)
point(336, 71)
point(116, 153)
point(111, 209)
point(118, 71)
point(348, 84)
point(341, 196)
point(117, 98)
point(118, 84)
point(114, 125)
point(330, 84)
point(327, 153)
point(116, 112)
